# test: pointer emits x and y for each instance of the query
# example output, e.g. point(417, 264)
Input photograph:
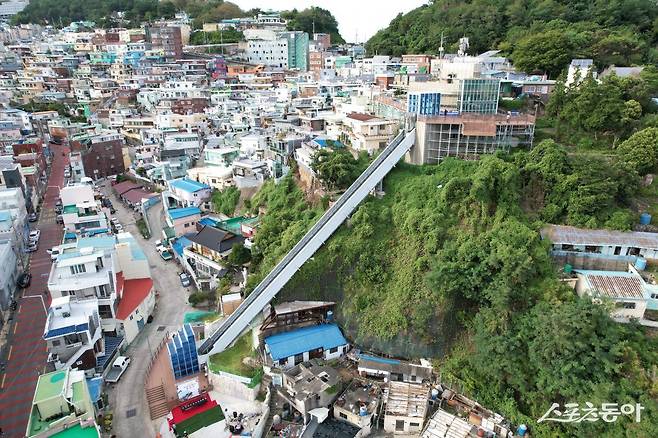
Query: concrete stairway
point(157, 402)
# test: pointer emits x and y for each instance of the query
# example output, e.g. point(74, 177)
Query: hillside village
point(286, 235)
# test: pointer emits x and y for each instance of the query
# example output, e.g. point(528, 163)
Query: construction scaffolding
point(468, 136)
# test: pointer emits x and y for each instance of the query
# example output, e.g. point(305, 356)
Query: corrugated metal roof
point(178, 213)
point(188, 185)
point(616, 286)
point(298, 341)
point(563, 234)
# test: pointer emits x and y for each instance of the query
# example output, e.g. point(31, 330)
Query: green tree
point(548, 52)
point(225, 201)
point(336, 169)
point(640, 151)
point(239, 255)
point(314, 18)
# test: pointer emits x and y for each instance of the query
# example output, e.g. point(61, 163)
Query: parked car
point(32, 247)
point(32, 217)
point(54, 252)
point(184, 279)
point(118, 368)
point(58, 209)
point(59, 219)
point(165, 254)
point(35, 235)
point(24, 280)
point(112, 210)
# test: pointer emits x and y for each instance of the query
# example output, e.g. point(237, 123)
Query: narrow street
point(26, 353)
point(127, 397)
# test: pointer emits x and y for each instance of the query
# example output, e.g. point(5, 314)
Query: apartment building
point(101, 151)
point(364, 132)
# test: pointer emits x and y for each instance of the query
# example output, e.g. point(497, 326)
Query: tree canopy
point(314, 18)
point(337, 169)
point(225, 201)
point(540, 35)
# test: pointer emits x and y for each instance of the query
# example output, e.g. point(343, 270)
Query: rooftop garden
point(230, 360)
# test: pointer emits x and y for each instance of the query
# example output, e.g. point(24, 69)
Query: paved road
point(27, 354)
point(171, 306)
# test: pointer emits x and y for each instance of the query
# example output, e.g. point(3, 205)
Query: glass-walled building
point(479, 96)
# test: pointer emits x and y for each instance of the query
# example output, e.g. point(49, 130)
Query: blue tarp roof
point(207, 221)
point(99, 231)
point(188, 185)
point(322, 142)
point(95, 385)
point(298, 341)
point(181, 243)
point(177, 213)
point(5, 215)
point(379, 359)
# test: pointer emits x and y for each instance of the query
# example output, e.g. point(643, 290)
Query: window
point(56, 343)
point(399, 425)
point(342, 415)
point(299, 358)
point(414, 425)
point(78, 269)
point(333, 350)
point(626, 305)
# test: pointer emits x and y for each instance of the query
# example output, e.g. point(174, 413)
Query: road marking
point(15, 327)
point(11, 347)
point(19, 309)
point(4, 376)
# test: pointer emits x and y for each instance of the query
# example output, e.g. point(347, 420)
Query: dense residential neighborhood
point(217, 222)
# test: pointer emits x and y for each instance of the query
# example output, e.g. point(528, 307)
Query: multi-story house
point(81, 212)
point(185, 192)
point(73, 334)
point(209, 249)
point(102, 153)
point(62, 407)
point(364, 132)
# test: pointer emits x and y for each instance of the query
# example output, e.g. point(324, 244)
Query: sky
point(356, 18)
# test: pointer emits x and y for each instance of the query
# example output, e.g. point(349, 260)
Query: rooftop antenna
point(441, 49)
point(313, 27)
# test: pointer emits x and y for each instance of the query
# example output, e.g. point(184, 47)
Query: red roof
point(123, 187)
point(134, 292)
point(361, 117)
point(120, 282)
point(134, 196)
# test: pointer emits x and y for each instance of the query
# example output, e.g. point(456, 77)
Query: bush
point(143, 229)
point(198, 297)
point(225, 201)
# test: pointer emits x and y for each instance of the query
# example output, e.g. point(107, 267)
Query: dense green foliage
point(103, 13)
point(540, 35)
point(287, 218)
point(611, 106)
point(239, 255)
point(314, 18)
point(100, 11)
point(225, 201)
point(450, 264)
point(217, 37)
point(338, 169)
point(585, 191)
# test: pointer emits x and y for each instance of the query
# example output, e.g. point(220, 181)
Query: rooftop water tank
point(363, 411)
point(521, 430)
point(330, 316)
point(645, 219)
point(568, 268)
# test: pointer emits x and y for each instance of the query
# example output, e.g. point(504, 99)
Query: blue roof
point(188, 185)
point(322, 142)
point(98, 231)
point(95, 385)
point(135, 250)
point(379, 359)
point(208, 221)
point(180, 244)
point(177, 213)
point(283, 345)
point(5, 215)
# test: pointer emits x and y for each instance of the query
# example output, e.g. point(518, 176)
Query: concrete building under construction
point(468, 135)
